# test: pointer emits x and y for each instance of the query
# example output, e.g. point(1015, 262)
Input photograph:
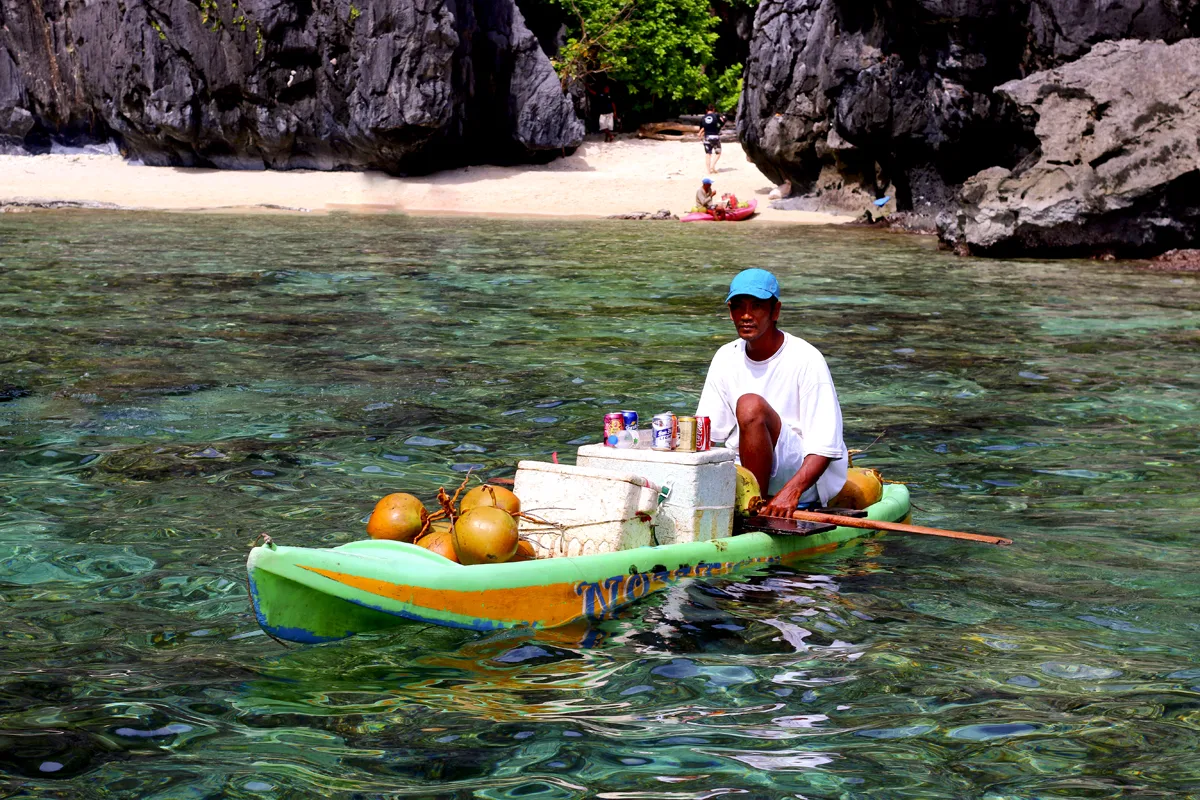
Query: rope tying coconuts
point(479, 529)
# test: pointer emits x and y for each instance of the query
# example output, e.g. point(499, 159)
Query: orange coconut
point(490, 496)
point(398, 516)
point(438, 526)
point(485, 535)
point(864, 487)
point(525, 551)
point(440, 542)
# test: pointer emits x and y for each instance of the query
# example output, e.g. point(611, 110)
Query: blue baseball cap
point(754, 282)
point(706, 181)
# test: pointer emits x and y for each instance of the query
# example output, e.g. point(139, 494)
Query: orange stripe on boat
point(546, 605)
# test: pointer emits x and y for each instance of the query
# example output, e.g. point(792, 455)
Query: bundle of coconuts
point(479, 529)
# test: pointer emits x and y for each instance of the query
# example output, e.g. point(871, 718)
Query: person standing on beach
point(711, 124)
point(608, 113)
point(770, 397)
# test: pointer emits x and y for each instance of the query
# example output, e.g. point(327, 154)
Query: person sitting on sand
point(706, 200)
point(770, 397)
point(710, 125)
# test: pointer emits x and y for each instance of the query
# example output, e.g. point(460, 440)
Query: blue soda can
point(631, 424)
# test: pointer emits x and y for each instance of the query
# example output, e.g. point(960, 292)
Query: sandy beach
point(600, 179)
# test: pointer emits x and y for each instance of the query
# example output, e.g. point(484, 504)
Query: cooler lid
point(573, 471)
point(716, 455)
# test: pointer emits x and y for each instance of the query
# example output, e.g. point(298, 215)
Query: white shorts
point(786, 461)
point(606, 122)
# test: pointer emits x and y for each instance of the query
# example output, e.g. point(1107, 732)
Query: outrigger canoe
point(733, 215)
point(312, 595)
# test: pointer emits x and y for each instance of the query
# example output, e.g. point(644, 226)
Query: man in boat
point(772, 400)
point(710, 126)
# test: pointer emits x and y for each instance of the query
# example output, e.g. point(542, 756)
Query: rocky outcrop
point(660, 215)
point(853, 99)
point(399, 85)
point(1117, 169)
point(1170, 261)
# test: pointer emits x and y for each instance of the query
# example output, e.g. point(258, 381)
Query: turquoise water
point(175, 386)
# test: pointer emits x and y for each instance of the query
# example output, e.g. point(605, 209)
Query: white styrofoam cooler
point(590, 510)
point(700, 504)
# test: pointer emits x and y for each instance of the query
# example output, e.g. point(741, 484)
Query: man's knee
point(753, 408)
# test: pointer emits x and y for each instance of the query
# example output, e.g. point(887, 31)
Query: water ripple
point(172, 387)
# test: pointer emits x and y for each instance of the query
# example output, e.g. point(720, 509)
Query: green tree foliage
point(662, 50)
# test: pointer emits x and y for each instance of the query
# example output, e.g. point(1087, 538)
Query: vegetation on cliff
point(663, 56)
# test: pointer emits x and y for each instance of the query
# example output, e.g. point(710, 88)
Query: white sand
point(598, 180)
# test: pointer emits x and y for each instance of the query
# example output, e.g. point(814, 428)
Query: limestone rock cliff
point(399, 85)
point(1117, 169)
point(852, 98)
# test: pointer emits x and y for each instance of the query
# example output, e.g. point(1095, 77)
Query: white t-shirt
point(796, 383)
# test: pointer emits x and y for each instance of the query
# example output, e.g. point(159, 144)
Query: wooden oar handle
point(899, 527)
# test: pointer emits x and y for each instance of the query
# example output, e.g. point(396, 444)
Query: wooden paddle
point(899, 527)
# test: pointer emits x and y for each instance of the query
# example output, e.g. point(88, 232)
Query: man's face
point(753, 317)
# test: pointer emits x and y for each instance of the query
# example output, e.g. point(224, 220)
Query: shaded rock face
point(399, 85)
point(857, 98)
point(1117, 169)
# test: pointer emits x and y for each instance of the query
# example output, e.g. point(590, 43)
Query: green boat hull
point(312, 595)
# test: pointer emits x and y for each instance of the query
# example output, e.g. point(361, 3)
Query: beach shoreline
point(599, 180)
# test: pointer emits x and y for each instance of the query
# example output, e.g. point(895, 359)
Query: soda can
point(687, 434)
point(704, 433)
point(631, 424)
point(614, 423)
point(663, 431)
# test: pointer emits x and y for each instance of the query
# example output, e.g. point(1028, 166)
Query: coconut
point(485, 535)
point(440, 542)
point(490, 497)
point(398, 516)
point(747, 495)
point(438, 527)
point(863, 488)
point(525, 551)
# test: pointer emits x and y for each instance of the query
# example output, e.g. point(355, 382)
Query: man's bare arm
point(784, 503)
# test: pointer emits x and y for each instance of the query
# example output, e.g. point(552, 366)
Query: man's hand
point(782, 504)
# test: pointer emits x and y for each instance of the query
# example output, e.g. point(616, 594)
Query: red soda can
point(703, 433)
point(613, 425)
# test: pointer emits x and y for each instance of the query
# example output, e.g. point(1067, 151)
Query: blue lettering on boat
point(601, 598)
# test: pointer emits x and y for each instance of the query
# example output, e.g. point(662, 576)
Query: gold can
point(687, 434)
